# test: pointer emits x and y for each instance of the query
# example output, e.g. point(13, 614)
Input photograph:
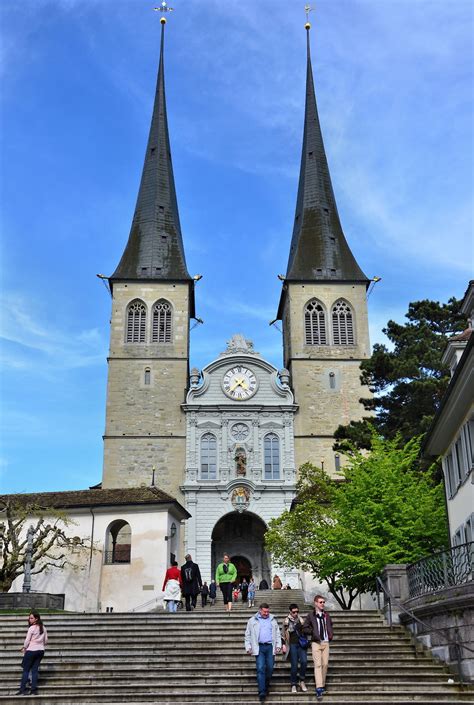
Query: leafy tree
point(51, 545)
point(409, 380)
point(384, 511)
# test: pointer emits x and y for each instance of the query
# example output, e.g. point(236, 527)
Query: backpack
point(188, 574)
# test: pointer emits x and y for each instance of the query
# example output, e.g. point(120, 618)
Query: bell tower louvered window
point(342, 324)
point(136, 322)
point(315, 324)
point(162, 322)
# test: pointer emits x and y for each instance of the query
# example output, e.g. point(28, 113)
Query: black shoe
point(21, 692)
point(34, 692)
point(262, 698)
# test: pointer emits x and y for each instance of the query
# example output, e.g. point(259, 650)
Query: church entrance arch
point(241, 535)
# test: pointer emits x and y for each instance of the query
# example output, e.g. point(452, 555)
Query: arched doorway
point(241, 535)
point(244, 568)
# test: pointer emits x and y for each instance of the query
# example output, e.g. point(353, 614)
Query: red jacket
point(173, 573)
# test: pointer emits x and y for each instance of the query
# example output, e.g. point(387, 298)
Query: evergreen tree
point(408, 379)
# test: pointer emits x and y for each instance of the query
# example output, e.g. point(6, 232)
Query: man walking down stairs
point(197, 657)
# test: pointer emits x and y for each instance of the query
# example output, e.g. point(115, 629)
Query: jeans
point(301, 655)
point(31, 662)
point(172, 606)
point(264, 662)
point(203, 600)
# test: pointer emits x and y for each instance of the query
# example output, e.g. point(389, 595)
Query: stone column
point(394, 577)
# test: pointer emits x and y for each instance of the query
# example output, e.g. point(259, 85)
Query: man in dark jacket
point(192, 583)
point(318, 627)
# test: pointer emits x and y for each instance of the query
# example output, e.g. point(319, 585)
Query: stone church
point(225, 442)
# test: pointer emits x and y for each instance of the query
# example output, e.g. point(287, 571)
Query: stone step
point(451, 697)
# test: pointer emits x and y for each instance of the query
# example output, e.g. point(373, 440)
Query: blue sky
point(394, 88)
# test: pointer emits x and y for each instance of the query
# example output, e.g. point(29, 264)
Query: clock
point(239, 383)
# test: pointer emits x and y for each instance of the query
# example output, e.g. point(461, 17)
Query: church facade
point(227, 441)
point(222, 444)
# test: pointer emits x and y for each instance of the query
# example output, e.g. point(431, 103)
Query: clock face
point(239, 383)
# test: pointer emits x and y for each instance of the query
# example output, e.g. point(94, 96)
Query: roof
point(95, 498)
point(454, 405)
point(155, 250)
point(319, 250)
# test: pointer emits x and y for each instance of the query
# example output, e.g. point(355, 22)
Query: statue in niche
point(240, 462)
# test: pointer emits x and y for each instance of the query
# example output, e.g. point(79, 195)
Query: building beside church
point(226, 442)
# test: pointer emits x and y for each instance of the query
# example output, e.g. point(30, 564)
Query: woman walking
point(172, 587)
point(33, 652)
point(226, 574)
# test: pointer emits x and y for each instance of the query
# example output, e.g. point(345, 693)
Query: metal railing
point(441, 570)
point(453, 642)
point(122, 556)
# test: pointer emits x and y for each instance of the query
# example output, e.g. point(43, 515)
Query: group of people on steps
point(263, 637)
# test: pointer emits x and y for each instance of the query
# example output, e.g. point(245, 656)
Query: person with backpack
point(33, 652)
point(226, 574)
point(192, 583)
point(296, 648)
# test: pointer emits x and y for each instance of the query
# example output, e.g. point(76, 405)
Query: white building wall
point(94, 586)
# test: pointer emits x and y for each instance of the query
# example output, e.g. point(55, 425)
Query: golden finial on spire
point(307, 9)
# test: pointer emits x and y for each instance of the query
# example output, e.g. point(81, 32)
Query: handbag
point(303, 641)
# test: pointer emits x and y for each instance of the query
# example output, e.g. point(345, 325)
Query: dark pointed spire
point(319, 250)
point(155, 245)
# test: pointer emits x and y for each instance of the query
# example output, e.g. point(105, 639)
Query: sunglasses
point(294, 611)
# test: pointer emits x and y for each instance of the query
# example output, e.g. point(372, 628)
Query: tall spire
point(155, 245)
point(319, 250)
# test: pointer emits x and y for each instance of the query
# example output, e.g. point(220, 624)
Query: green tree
point(52, 545)
point(384, 511)
point(408, 380)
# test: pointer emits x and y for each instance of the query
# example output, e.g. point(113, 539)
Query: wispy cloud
point(30, 340)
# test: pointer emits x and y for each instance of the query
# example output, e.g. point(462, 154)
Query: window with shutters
point(162, 322)
point(272, 456)
point(342, 324)
point(136, 322)
point(208, 457)
point(315, 323)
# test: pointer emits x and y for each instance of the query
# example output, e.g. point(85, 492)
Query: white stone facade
point(239, 482)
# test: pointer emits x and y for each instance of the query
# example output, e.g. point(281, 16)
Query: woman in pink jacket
point(33, 652)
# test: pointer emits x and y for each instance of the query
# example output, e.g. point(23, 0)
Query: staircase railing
point(427, 628)
point(441, 570)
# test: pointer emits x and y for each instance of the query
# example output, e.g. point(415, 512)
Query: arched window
point(208, 457)
point(342, 324)
point(272, 457)
point(147, 376)
point(162, 322)
point(118, 542)
point(136, 322)
point(315, 323)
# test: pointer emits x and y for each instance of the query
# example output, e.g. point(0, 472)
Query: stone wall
point(145, 426)
point(325, 378)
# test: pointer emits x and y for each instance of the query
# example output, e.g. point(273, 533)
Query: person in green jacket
point(226, 574)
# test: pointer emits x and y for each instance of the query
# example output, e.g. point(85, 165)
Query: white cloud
point(35, 343)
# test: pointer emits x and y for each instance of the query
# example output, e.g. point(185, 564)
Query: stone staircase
point(199, 657)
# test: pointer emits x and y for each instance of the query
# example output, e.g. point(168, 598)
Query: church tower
point(323, 305)
point(152, 303)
